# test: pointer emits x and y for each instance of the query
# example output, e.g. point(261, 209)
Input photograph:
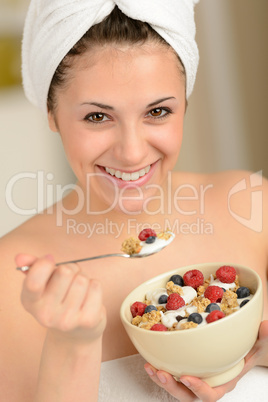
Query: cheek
point(78, 144)
point(169, 140)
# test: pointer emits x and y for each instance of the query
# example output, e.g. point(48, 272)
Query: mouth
point(128, 176)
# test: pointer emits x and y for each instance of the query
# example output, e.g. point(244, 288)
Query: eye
point(159, 112)
point(96, 118)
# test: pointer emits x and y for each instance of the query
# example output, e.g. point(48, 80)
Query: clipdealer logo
point(254, 222)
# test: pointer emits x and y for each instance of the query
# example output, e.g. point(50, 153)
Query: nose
point(131, 147)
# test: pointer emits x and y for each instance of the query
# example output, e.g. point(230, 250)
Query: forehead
point(114, 69)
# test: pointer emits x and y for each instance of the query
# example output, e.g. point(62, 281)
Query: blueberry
point(162, 299)
point(242, 292)
point(224, 289)
point(150, 308)
point(179, 318)
point(195, 317)
point(212, 307)
point(244, 302)
point(177, 280)
point(150, 239)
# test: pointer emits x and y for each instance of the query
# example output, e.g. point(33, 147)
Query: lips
point(126, 176)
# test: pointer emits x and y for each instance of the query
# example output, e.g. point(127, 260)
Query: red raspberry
point(214, 316)
point(226, 274)
point(214, 294)
point(158, 327)
point(174, 301)
point(193, 278)
point(137, 308)
point(145, 233)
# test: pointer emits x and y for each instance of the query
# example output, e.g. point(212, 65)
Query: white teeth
point(142, 172)
point(125, 176)
point(134, 176)
point(111, 171)
point(128, 176)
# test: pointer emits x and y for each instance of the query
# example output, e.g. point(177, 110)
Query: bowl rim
point(187, 267)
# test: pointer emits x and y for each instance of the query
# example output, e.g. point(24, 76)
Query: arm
point(68, 372)
point(70, 306)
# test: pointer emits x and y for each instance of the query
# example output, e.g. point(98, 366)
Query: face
point(121, 122)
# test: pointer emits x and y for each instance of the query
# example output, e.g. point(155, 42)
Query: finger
point(259, 353)
point(60, 282)
point(94, 296)
point(166, 381)
point(93, 310)
point(37, 278)
point(263, 332)
point(76, 294)
point(22, 260)
point(204, 392)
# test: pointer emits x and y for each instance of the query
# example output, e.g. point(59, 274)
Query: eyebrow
point(108, 107)
point(159, 101)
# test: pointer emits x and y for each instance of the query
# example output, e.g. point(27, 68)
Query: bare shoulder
point(232, 185)
point(245, 194)
point(238, 198)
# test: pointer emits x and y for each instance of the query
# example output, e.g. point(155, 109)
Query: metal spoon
point(146, 251)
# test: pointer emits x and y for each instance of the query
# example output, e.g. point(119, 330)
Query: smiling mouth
point(126, 176)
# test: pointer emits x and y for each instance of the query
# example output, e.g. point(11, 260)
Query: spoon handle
point(26, 267)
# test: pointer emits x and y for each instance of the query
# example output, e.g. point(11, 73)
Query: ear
point(52, 122)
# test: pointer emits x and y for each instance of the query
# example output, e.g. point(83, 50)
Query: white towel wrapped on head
point(52, 28)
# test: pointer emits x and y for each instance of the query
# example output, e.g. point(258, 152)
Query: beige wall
point(225, 125)
point(251, 30)
point(226, 121)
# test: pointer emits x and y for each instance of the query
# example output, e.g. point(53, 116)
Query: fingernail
point(162, 378)
point(149, 371)
point(185, 382)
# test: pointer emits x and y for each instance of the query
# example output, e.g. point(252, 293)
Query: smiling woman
point(114, 82)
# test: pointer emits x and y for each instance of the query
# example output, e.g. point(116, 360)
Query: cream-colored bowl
point(214, 352)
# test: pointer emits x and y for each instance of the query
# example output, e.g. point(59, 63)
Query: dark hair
point(115, 28)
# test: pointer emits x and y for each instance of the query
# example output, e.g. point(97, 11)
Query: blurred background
point(225, 125)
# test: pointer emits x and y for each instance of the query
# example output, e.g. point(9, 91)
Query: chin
point(130, 207)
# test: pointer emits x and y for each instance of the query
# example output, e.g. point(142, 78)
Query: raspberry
point(226, 274)
point(137, 308)
point(158, 327)
point(214, 294)
point(193, 278)
point(214, 316)
point(145, 233)
point(174, 302)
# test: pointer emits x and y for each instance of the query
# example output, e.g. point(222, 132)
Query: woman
point(118, 100)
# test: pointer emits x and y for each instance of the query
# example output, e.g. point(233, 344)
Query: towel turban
point(52, 27)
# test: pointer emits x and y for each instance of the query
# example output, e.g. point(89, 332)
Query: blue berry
point(177, 280)
point(224, 289)
point(242, 292)
point(150, 308)
point(162, 299)
point(195, 317)
point(212, 307)
point(150, 239)
point(244, 302)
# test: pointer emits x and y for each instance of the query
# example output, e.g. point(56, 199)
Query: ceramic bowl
point(215, 352)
